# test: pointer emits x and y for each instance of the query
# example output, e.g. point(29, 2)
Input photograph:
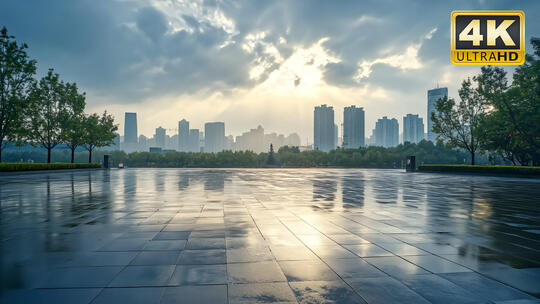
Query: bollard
point(411, 163)
point(106, 161)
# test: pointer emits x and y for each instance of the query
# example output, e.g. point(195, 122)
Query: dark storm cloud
point(130, 49)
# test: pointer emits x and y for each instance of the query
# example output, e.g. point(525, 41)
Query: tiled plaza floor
point(268, 236)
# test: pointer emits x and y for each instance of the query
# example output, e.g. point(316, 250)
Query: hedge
point(512, 170)
point(10, 167)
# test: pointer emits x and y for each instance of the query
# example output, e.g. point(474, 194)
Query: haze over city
point(247, 63)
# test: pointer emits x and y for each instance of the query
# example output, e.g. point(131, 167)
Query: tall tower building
point(160, 137)
point(214, 137)
point(386, 132)
point(193, 141)
point(323, 128)
point(130, 132)
point(433, 96)
point(413, 128)
point(353, 127)
point(183, 135)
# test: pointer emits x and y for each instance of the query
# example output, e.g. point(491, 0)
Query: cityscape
point(327, 135)
point(259, 152)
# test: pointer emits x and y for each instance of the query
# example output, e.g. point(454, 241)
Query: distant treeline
point(370, 157)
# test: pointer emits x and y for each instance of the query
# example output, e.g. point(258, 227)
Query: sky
point(247, 62)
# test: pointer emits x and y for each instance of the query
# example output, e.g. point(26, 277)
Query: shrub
point(514, 170)
point(10, 167)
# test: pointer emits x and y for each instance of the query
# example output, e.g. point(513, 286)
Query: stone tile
point(215, 294)
point(332, 252)
point(354, 268)
point(292, 253)
point(402, 249)
point(438, 290)
point(485, 288)
point(348, 239)
point(385, 290)
point(313, 270)
point(261, 293)
point(395, 266)
point(57, 296)
point(125, 244)
point(435, 264)
point(325, 292)
point(139, 295)
point(368, 250)
point(156, 258)
point(101, 259)
point(200, 257)
point(165, 245)
point(172, 235)
point(205, 243)
point(249, 254)
point(199, 275)
point(143, 276)
point(260, 272)
point(73, 277)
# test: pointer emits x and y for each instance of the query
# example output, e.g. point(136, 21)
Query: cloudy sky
point(248, 62)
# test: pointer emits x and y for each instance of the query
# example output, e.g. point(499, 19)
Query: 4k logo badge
point(487, 37)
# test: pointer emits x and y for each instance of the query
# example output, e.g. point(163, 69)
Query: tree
point(99, 131)
point(73, 117)
point(459, 125)
point(271, 160)
point(16, 76)
point(48, 103)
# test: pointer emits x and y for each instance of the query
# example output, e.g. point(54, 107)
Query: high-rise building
point(413, 128)
point(193, 141)
point(183, 135)
point(214, 137)
point(323, 128)
point(386, 132)
point(353, 127)
point(433, 96)
point(160, 137)
point(143, 143)
point(130, 132)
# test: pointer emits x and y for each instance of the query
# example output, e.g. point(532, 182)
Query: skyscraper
point(433, 96)
point(353, 127)
point(413, 128)
point(323, 128)
point(160, 137)
point(193, 142)
point(130, 132)
point(386, 132)
point(214, 137)
point(183, 135)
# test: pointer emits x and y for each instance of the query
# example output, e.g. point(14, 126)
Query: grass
point(12, 167)
point(489, 169)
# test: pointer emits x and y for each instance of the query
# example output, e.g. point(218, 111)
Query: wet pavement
point(268, 236)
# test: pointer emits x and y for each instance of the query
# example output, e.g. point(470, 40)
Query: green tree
point(72, 118)
point(46, 112)
point(16, 76)
point(99, 132)
point(458, 125)
point(271, 159)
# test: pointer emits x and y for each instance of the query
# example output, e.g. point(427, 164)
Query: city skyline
point(213, 62)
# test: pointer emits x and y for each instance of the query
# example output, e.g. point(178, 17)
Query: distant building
point(413, 128)
point(229, 142)
point(253, 140)
point(116, 142)
point(293, 140)
point(336, 136)
point(130, 132)
point(183, 135)
point(386, 132)
point(155, 149)
point(143, 143)
point(353, 127)
point(433, 96)
point(323, 128)
point(193, 141)
point(214, 137)
point(160, 137)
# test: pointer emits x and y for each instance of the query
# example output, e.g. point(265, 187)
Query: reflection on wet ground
point(267, 236)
